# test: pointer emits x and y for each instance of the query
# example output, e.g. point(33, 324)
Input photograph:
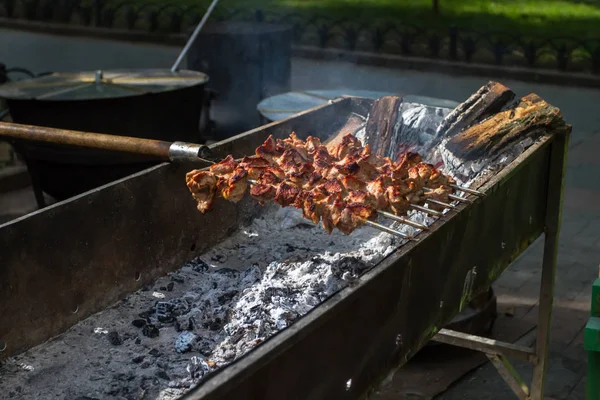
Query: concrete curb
point(358, 57)
point(449, 67)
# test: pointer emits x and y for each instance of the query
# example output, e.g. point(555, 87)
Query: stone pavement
point(579, 253)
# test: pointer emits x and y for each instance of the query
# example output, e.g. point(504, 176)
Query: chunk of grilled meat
point(203, 186)
point(254, 165)
point(350, 145)
point(224, 167)
point(270, 149)
point(286, 193)
point(263, 192)
point(236, 185)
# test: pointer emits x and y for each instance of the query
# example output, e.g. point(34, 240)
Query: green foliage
point(534, 18)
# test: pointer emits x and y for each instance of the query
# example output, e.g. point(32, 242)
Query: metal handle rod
point(192, 38)
point(161, 150)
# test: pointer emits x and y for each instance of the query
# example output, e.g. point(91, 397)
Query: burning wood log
point(509, 131)
point(530, 118)
point(488, 100)
point(382, 125)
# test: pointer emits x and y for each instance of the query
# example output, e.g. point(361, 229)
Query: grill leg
point(551, 236)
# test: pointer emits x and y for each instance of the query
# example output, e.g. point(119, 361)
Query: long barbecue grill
point(385, 298)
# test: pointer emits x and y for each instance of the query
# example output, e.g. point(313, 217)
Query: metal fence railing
point(409, 39)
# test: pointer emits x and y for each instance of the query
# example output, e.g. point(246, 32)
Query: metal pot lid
point(100, 84)
point(285, 105)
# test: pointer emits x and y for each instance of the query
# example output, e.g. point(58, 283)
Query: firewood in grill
point(531, 118)
point(487, 101)
point(382, 125)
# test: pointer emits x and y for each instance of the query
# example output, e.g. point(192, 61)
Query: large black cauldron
point(154, 104)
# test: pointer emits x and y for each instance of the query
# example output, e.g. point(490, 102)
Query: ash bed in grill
point(290, 312)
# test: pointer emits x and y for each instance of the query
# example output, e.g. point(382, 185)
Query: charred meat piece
point(311, 203)
point(286, 194)
point(298, 145)
point(332, 186)
point(350, 182)
point(407, 161)
point(377, 189)
point(350, 145)
point(203, 186)
point(397, 200)
point(269, 150)
point(236, 185)
point(262, 192)
point(255, 166)
point(312, 144)
point(440, 194)
point(224, 167)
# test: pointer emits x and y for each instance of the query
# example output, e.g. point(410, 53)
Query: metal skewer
point(388, 230)
point(426, 210)
point(403, 220)
point(454, 197)
point(441, 203)
point(467, 190)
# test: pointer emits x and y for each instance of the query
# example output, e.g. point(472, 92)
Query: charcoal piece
point(138, 359)
point(155, 353)
point(150, 331)
point(227, 297)
point(146, 315)
point(164, 312)
point(162, 375)
point(138, 323)
point(163, 288)
point(213, 325)
point(184, 342)
point(167, 311)
point(114, 338)
point(138, 341)
point(170, 286)
point(200, 266)
point(145, 365)
point(220, 258)
point(162, 365)
point(178, 279)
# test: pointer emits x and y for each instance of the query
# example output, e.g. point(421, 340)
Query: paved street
point(579, 253)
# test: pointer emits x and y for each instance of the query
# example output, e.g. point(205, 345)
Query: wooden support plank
point(510, 376)
point(556, 179)
point(485, 345)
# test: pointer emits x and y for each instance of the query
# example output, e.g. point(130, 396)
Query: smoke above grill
point(166, 338)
